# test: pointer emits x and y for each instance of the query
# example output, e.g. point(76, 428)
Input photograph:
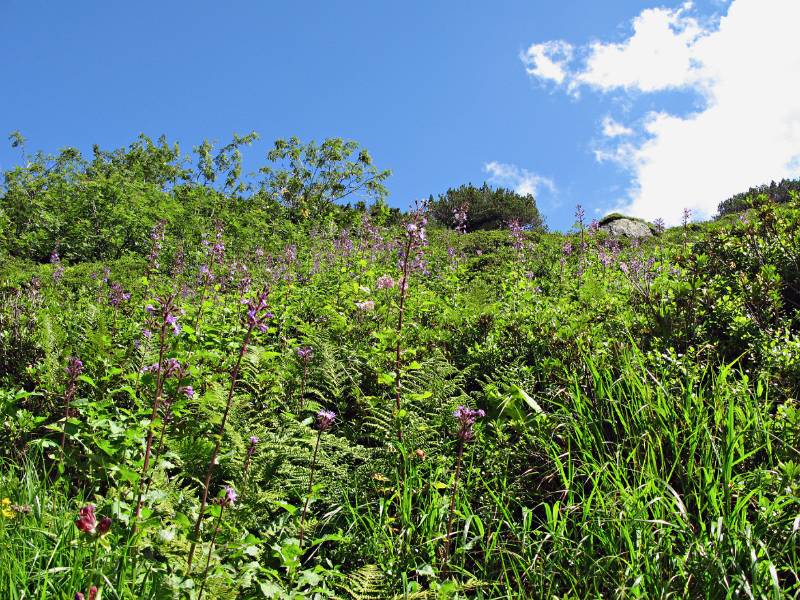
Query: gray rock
point(627, 228)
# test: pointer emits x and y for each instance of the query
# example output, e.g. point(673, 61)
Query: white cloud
point(613, 129)
point(520, 180)
point(548, 60)
point(747, 132)
point(658, 56)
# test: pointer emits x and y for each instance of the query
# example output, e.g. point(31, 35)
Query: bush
point(487, 207)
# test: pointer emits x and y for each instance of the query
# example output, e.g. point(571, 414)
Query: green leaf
point(87, 379)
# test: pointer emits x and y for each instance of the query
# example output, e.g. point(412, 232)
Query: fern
point(367, 583)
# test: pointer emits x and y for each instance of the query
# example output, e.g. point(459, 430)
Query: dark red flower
point(104, 526)
point(87, 521)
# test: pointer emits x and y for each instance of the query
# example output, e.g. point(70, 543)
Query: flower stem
point(453, 501)
point(210, 550)
point(215, 453)
point(310, 485)
point(149, 446)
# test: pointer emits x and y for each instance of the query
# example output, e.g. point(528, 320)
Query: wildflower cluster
point(171, 367)
point(257, 314)
point(290, 253)
point(385, 282)
point(325, 419)
point(117, 295)
point(217, 249)
point(343, 244)
point(412, 253)
point(166, 313)
point(5, 509)
point(638, 270)
point(460, 218)
point(466, 420)
point(517, 234)
point(608, 252)
point(305, 354)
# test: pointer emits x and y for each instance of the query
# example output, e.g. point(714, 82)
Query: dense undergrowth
point(379, 410)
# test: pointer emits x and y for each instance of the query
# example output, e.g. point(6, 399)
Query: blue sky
point(442, 93)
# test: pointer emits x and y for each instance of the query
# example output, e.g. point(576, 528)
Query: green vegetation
point(489, 208)
point(784, 191)
point(266, 394)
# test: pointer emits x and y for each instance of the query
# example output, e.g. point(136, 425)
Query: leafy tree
point(227, 161)
point(487, 207)
point(310, 178)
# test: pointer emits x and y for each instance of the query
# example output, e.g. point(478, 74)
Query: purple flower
point(517, 234)
point(251, 449)
point(74, 367)
point(460, 218)
point(305, 353)
point(567, 248)
point(343, 244)
point(172, 321)
point(659, 225)
point(230, 496)
point(579, 214)
point(117, 295)
point(325, 419)
point(466, 420)
point(415, 229)
point(385, 282)
point(188, 391)
point(605, 259)
point(170, 368)
point(257, 314)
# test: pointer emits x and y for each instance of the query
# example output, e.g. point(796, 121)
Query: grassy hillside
point(262, 402)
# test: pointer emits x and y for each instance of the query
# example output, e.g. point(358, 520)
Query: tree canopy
point(486, 207)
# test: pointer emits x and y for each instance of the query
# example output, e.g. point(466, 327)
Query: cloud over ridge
point(744, 66)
